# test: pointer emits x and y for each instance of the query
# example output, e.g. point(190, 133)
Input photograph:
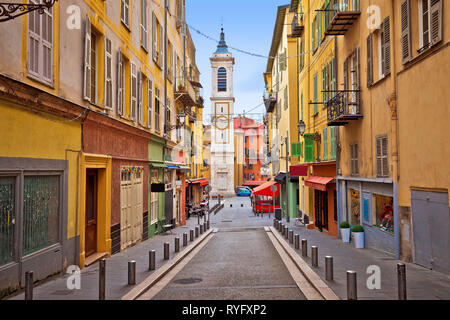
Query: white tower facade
point(222, 128)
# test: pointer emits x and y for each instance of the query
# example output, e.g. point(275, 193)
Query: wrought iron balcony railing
point(344, 107)
point(297, 25)
point(340, 16)
point(270, 100)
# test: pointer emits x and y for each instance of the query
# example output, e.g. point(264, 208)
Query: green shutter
point(319, 40)
point(333, 143)
point(296, 149)
point(309, 147)
point(313, 31)
point(325, 144)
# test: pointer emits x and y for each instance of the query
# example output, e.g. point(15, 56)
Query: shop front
point(371, 204)
point(323, 197)
point(157, 186)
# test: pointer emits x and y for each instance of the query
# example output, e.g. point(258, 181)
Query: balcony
point(344, 107)
point(341, 17)
point(270, 101)
point(297, 26)
point(185, 93)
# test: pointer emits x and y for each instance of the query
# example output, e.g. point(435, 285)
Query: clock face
point(221, 122)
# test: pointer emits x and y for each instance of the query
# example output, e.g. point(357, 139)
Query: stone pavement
point(116, 269)
point(421, 283)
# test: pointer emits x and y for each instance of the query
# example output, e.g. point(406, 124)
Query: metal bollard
point(131, 272)
point(166, 251)
point(207, 224)
point(297, 241)
point(204, 219)
point(242, 205)
point(280, 227)
point(177, 244)
point(291, 236)
point(29, 285)
point(201, 228)
point(329, 268)
point(231, 205)
point(401, 275)
point(304, 248)
point(151, 259)
point(314, 256)
point(274, 223)
point(185, 239)
point(191, 235)
point(101, 279)
point(351, 286)
point(197, 230)
point(286, 232)
point(198, 218)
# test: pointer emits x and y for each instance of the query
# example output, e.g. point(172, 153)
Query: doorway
point(321, 209)
point(91, 211)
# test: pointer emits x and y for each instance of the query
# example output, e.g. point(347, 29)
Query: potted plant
point(345, 231)
point(358, 232)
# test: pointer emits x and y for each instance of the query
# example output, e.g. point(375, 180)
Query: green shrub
point(344, 225)
point(357, 228)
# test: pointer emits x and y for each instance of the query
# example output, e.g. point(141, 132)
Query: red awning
point(264, 190)
point(319, 183)
point(202, 182)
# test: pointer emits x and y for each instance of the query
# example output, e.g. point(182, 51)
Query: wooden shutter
point(370, 60)
point(47, 45)
point(333, 143)
point(346, 74)
point(379, 148)
point(120, 83)
point(352, 157)
point(315, 93)
point(34, 40)
point(325, 144)
point(87, 61)
point(384, 159)
point(108, 74)
point(436, 21)
point(406, 30)
point(387, 46)
point(309, 147)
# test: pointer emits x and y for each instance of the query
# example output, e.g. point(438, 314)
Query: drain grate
point(188, 281)
point(227, 221)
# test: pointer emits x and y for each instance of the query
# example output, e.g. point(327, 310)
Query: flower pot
point(359, 240)
point(345, 234)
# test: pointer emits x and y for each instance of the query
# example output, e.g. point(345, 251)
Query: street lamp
point(301, 126)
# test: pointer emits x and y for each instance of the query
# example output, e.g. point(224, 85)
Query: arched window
point(222, 79)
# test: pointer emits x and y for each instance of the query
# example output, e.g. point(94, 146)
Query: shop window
point(7, 218)
point(384, 213)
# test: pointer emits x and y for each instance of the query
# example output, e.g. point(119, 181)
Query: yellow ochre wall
point(39, 138)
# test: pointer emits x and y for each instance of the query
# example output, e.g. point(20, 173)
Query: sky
point(248, 25)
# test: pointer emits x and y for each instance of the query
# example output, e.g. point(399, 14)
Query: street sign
point(208, 188)
point(273, 188)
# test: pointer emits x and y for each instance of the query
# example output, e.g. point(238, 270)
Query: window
point(40, 45)
point(405, 11)
point(369, 60)
point(333, 143)
point(222, 79)
point(134, 91)
point(157, 48)
point(108, 74)
point(325, 84)
point(7, 218)
point(154, 179)
point(430, 18)
point(296, 149)
point(286, 98)
point(382, 156)
point(93, 93)
point(354, 164)
point(309, 147)
point(157, 110)
point(384, 215)
point(149, 103)
point(120, 84)
point(144, 22)
point(125, 12)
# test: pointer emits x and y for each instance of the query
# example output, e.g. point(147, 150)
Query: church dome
point(222, 47)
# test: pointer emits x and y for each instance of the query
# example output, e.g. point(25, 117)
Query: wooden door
point(137, 206)
point(125, 211)
point(91, 212)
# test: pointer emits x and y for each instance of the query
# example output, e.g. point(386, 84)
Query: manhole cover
point(188, 281)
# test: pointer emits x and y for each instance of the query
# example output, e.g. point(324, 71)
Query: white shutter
point(34, 42)
point(47, 44)
point(405, 9)
point(87, 61)
point(133, 95)
point(154, 39)
point(144, 22)
point(140, 98)
point(108, 74)
point(436, 21)
point(120, 83)
point(149, 103)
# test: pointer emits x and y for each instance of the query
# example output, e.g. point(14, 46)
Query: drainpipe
point(394, 128)
point(337, 148)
